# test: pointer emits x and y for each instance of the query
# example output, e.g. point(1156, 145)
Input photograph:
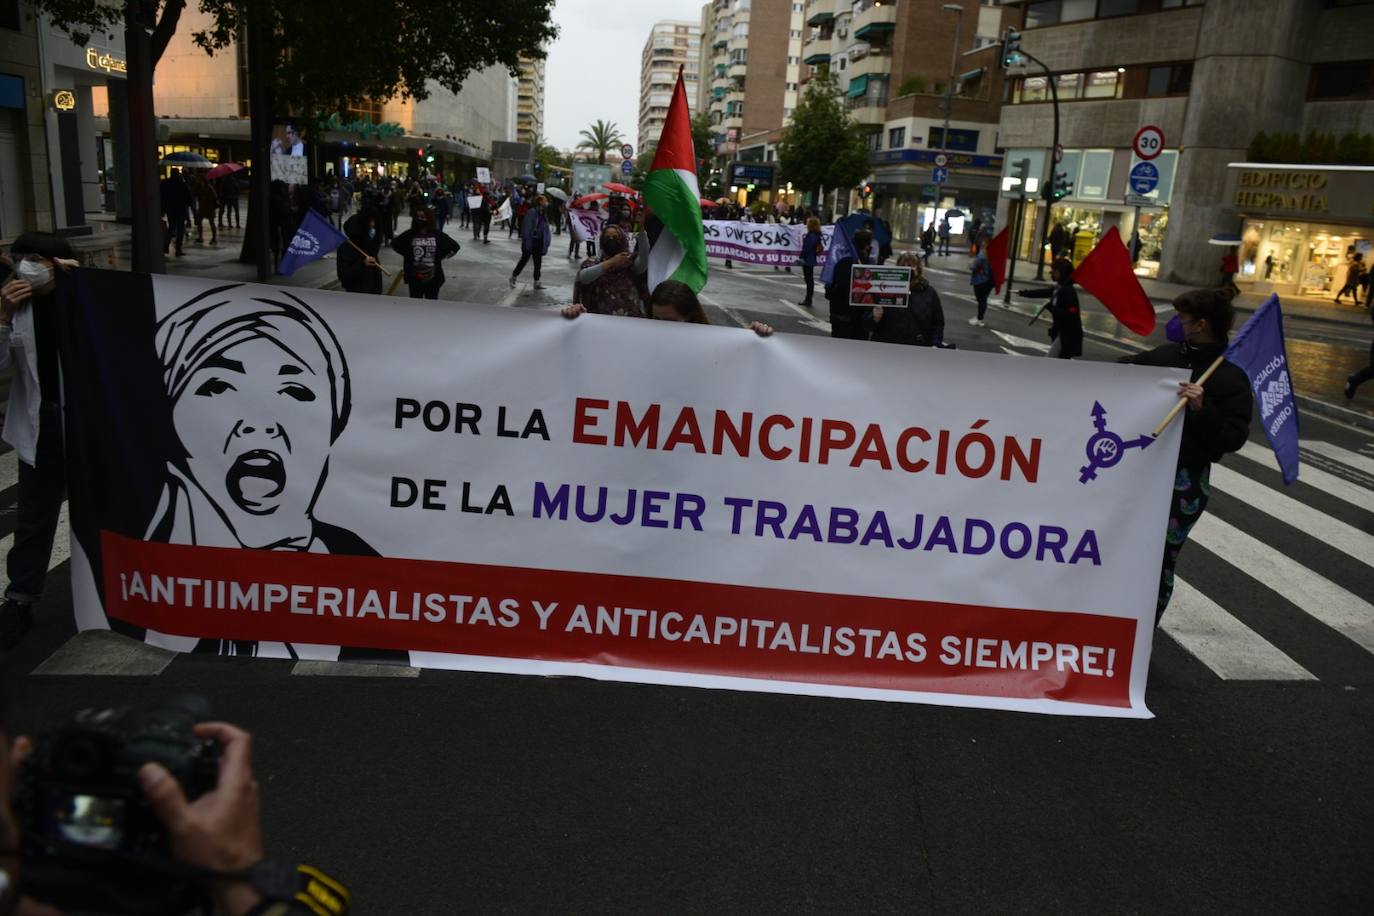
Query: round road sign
point(1148, 142)
point(941, 160)
point(627, 151)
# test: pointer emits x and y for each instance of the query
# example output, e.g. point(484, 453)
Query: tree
point(315, 56)
point(821, 147)
point(703, 143)
point(644, 162)
point(552, 163)
point(601, 138)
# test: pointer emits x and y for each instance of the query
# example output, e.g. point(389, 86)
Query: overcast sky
point(593, 68)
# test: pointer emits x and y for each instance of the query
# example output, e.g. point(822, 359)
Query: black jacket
point(921, 323)
point(850, 322)
point(1223, 423)
point(445, 247)
point(354, 273)
point(1067, 326)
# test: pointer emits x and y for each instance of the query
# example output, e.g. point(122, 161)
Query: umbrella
point(556, 192)
point(707, 203)
point(855, 221)
point(588, 198)
point(1225, 239)
point(187, 160)
point(527, 179)
point(618, 188)
point(224, 168)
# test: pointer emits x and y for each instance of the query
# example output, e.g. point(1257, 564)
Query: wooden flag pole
point(384, 271)
point(395, 283)
point(1178, 408)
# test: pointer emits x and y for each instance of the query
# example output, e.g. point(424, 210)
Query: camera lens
point(79, 758)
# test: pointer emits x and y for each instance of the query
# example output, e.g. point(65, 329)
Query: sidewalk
point(1306, 307)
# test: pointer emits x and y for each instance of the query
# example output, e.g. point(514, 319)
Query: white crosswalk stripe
point(1338, 487)
point(1223, 643)
point(1344, 456)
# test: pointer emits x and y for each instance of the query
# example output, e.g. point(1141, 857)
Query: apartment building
point(529, 101)
point(1213, 76)
point(672, 44)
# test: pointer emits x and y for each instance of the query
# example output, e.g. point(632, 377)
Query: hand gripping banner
point(293, 473)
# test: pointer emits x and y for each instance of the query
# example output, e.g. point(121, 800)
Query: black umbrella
point(187, 160)
point(527, 179)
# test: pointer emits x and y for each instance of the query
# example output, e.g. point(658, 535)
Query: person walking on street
point(850, 322)
point(921, 323)
point(813, 246)
point(207, 202)
point(481, 218)
point(441, 207)
point(1059, 241)
point(175, 199)
point(535, 238)
point(424, 251)
point(945, 230)
point(229, 203)
point(980, 275)
point(33, 420)
point(518, 208)
point(1354, 273)
point(1066, 329)
point(1216, 422)
point(1356, 379)
point(927, 243)
point(359, 271)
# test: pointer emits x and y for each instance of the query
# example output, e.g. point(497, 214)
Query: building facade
point(25, 187)
point(529, 101)
point(1212, 76)
point(671, 44)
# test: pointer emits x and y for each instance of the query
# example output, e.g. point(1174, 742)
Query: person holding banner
point(358, 269)
point(1217, 420)
point(922, 322)
point(611, 284)
point(424, 251)
point(847, 321)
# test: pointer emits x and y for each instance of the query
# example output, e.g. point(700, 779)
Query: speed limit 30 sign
point(1148, 142)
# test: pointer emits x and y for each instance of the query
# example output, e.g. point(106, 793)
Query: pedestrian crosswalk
point(1276, 583)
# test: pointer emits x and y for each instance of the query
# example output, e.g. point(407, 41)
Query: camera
point(90, 840)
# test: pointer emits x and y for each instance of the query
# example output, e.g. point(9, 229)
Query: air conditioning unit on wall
point(842, 29)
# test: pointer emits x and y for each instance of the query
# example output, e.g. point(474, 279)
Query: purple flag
point(313, 240)
point(841, 247)
point(1258, 349)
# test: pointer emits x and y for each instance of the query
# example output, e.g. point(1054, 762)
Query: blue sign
point(939, 175)
point(627, 167)
point(956, 160)
point(1144, 177)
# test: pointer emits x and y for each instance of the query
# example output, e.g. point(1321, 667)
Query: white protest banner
point(885, 286)
point(290, 169)
point(539, 188)
point(503, 212)
point(504, 490)
point(483, 174)
point(759, 243)
point(475, 202)
point(586, 224)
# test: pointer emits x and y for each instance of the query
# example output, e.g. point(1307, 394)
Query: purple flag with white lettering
point(313, 240)
point(1258, 349)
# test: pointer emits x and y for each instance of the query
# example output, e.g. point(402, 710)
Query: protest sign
point(759, 243)
point(504, 211)
point(290, 169)
point(483, 175)
point(475, 202)
point(539, 188)
point(502, 490)
point(586, 224)
point(886, 286)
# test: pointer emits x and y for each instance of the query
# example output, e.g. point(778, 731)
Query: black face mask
point(612, 245)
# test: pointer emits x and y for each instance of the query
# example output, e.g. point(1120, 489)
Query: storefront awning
point(815, 60)
point(875, 28)
point(858, 86)
point(820, 18)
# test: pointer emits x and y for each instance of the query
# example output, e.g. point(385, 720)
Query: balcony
point(819, 18)
point(738, 71)
point(721, 83)
point(875, 63)
point(817, 59)
point(875, 20)
point(733, 122)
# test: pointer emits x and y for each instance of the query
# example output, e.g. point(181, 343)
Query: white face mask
point(37, 275)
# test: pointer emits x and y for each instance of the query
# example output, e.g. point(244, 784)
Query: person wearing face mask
point(359, 271)
point(535, 239)
point(850, 322)
point(424, 251)
point(1066, 329)
point(33, 421)
point(1217, 420)
point(610, 284)
point(673, 300)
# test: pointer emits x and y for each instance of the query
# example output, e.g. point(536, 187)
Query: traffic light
point(1060, 187)
point(1011, 48)
point(868, 189)
point(1020, 170)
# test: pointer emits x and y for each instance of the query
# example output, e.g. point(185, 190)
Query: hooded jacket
point(354, 273)
point(1223, 423)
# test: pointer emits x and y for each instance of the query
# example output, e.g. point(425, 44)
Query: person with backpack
point(424, 251)
point(921, 323)
point(980, 275)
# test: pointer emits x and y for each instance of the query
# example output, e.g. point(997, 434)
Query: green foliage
point(703, 146)
point(912, 85)
point(644, 162)
point(329, 52)
point(601, 137)
point(1314, 149)
point(550, 162)
point(821, 146)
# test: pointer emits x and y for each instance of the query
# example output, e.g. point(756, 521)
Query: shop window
point(1172, 79)
point(1094, 174)
point(1032, 89)
point(9, 15)
point(1104, 84)
point(1071, 165)
point(1069, 85)
point(1340, 81)
point(896, 138)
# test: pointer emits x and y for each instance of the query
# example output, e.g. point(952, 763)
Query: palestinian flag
point(679, 250)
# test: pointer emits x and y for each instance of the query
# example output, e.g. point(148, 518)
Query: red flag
point(1106, 273)
point(996, 253)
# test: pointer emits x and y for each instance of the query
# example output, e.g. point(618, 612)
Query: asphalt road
point(445, 792)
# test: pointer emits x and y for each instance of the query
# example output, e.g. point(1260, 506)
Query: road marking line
point(1346, 538)
point(808, 318)
point(1315, 595)
point(1338, 487)
point(1221, 642)
point(106, 653)
point(1344, 456)
point(1012, 352)
point(61, 547)
point(1021, 341)
point(306, 668)
point(793, 285)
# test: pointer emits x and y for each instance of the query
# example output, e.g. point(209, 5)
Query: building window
point(241, 70)
point(896, 137)
point(842, 63)
point(1120, 83)
point(1094, 174)
point(1104, 84)
point(1340, 81)
point(1174, 79)
point(9, 15)
point(960, 139)
point(875, 141)
point(1106, 8)
point(795, 33)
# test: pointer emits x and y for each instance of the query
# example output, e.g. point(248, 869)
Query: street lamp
point(949, 97)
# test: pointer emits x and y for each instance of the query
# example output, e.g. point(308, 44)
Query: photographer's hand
point(221, 830)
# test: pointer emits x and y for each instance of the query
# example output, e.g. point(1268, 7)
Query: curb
point(1305, 401)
